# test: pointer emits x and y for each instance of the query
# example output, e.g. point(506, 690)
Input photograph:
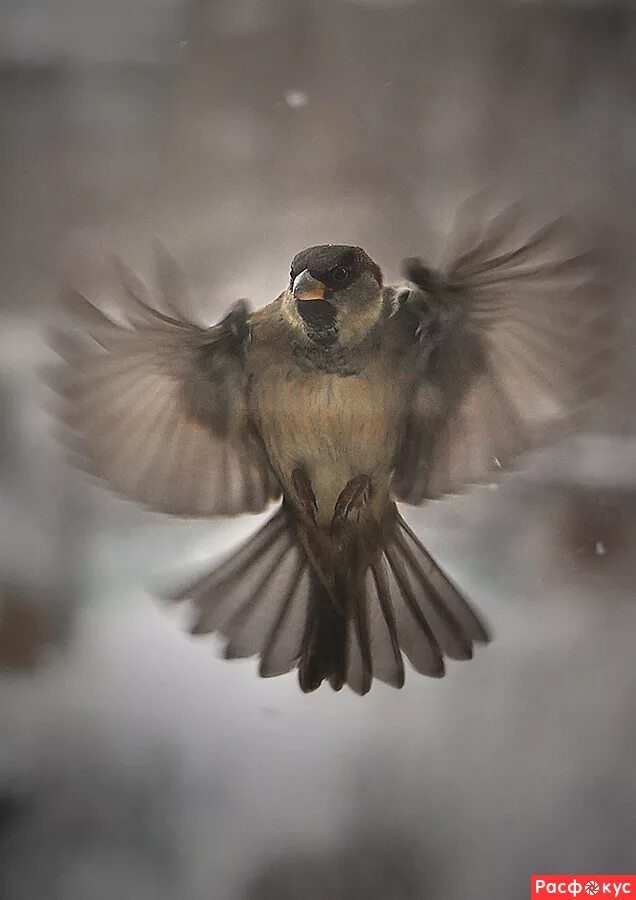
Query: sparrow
point(339, 399)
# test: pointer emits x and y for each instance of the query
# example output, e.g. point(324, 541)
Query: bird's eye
point(339, 273)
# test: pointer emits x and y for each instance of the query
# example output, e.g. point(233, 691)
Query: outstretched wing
point(156, 405)
point(512, 339)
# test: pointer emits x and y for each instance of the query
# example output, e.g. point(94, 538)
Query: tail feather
point(360, 661)
point(413, 631)
point(224, 574)
point(283, 645)
point(388, 665)
point(258, 609)
point(454, 619)
point(268, 601)
point(324, 648)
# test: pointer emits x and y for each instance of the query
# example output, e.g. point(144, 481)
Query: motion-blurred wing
point(512, 338)
point(156, 405)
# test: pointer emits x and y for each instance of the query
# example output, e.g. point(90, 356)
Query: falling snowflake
point(296, 99)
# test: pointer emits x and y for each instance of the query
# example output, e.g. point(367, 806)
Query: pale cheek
point(356, 319)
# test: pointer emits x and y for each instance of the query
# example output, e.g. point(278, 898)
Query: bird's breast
point(335, 427)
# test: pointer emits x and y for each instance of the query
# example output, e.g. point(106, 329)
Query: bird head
point(334, 294)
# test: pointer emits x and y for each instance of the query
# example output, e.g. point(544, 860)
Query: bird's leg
point(305, 493)
point(352, 500)
point(308, 535)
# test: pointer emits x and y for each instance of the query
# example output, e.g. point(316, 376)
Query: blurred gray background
point(133, 762)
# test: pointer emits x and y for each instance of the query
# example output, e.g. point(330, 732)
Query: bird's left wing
point(155, 405)
point(511, 340)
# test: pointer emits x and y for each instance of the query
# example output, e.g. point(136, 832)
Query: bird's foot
point(352, 500)
point(305, 493)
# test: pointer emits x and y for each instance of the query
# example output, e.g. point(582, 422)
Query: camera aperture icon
point(592, 888)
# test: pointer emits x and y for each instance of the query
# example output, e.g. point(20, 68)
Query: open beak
point(306, 287)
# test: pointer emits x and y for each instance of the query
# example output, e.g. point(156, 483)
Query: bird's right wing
point(156, 405)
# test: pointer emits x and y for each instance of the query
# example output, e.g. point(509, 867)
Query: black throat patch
point(320, 321)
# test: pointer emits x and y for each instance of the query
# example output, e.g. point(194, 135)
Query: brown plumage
point(342, 397)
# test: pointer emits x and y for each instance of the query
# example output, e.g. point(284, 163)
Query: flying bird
point(340, 398)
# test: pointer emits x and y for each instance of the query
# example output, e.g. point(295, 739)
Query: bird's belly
point(334, 427)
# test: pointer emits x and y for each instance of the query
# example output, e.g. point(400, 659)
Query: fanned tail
point(267, 600)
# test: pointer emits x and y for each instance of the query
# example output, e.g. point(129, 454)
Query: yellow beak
point(306, 287)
